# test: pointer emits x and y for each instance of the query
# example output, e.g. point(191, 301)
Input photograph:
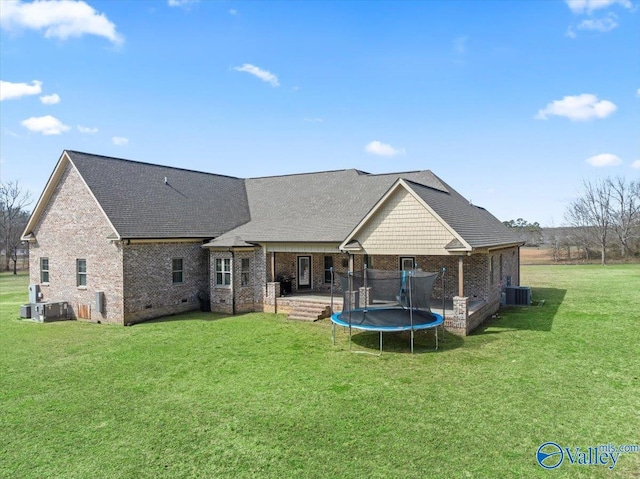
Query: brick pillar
point(271, 293)
point(352, 300)
point(365, 297)
point(460, 312)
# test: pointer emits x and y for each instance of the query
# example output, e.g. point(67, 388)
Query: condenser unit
point(518, 295)
point(51, 311)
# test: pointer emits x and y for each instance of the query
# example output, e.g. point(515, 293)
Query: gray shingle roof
point(311, 207)
point(139, 204)
point(474, 224)
point(316, 207)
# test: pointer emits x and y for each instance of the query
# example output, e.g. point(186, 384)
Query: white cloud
point(636, 165)
point(588, 6)
point(638, 92)
point(87, 130)
point(47, 125)
point(599, 24)
point(382, 149)
point(314, 120)
point(120, 140)
point(58, 18)
point(10, 90)
point(570, 32)
point(181, 3)
point(50, 99)
point(264, 75)
point(578, 108)
point(604, 159)
point(233, 11)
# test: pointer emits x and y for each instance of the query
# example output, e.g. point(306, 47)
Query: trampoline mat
point(388, 319)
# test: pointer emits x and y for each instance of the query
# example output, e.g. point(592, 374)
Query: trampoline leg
point(412, 341)
point(380, 343)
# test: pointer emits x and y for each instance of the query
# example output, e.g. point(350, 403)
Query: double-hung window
point(328, 264)
point(245, 272)
point(177, 271)
point(44, 270)
point(81, 272)
point(223, 272)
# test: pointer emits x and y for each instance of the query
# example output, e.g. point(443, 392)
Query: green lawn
point(200, 395)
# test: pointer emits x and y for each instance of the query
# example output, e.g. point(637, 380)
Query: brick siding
point(73, 227)
point(149, 290)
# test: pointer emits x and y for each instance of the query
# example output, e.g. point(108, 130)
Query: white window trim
point(174, 271)
point(43, 270)
point(78, 274)
point(223, 271)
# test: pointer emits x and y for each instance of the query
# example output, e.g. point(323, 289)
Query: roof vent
point(166, 181)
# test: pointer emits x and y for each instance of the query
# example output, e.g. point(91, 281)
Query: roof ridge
point(137, 162)
point(287, 175)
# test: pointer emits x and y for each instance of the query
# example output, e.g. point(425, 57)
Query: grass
point(201, 395)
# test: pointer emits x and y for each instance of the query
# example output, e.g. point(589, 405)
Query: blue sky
point(514, 104)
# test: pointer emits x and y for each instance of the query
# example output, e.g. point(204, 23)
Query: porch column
point(461, 276)
point(273, 266)
point(351, 262)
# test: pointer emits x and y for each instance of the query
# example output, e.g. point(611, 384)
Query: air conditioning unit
point(25, 311)
point(518, 295)
point(45, 312)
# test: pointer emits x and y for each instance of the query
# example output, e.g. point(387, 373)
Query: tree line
point(606, 215)
point(14, 201)
point(604, 219)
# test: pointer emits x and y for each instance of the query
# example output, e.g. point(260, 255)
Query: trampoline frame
point(411, 326)
point(336, 321)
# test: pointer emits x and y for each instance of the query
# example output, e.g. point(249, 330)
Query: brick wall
point(149, 290)
point(72, 227)
point(249, 297)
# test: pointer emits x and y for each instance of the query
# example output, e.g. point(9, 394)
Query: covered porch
point(316, 306)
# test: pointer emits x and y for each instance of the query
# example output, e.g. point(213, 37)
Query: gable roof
point(316, 207)
point(478, 227)
point(139, 204)
point(471, 226)
point(143, 200)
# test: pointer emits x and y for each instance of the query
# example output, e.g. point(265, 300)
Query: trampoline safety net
point(387, 299)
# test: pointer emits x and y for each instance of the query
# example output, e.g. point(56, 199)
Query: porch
point(314, 306)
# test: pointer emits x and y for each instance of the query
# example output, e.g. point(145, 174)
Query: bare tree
point(625, 211)
point(13, 205)
point(591, 213)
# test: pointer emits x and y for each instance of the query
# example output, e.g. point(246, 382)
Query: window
point(245, 272)
point(177, 271)
point(407, 263)
point(491, 270)
point(223, 272)
point(328, 264)
point(368, 261)
point(81, 272)
point(501, 270)
point(44, 270)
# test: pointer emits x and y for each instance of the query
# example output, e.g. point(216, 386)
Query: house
point(154, 240)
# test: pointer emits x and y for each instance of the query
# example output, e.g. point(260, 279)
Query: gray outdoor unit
point(518, 295)
point(45, 312)
point(34, 293)
point(25, 311)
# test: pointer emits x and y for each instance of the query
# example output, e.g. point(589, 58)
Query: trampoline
point(387, 301)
